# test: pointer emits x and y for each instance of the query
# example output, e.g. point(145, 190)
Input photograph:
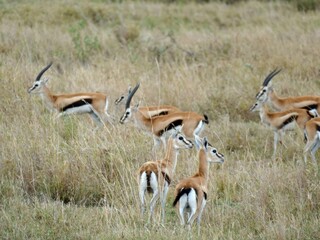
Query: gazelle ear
point(45, 80)
point(137, 105)
point(205, 143)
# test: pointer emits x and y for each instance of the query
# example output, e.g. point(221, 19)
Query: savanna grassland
point(67, 179)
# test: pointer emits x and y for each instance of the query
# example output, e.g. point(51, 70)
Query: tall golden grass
point(65, 179)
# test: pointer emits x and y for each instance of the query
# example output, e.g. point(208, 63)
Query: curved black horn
point(43, 71)
point(270, 76)
point(131, 95)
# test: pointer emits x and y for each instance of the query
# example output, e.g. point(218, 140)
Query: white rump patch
point(143, 182)
point(153, 181)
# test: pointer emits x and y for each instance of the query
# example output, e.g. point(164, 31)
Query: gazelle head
point(123, 98)
point(262, 95)
point(128, 109)
point(39, 83)
point(180, 141)
point(213, 156)
point(257, 106)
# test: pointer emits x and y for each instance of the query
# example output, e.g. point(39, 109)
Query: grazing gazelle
point(190, 123)
point(312, 136)
point(267, 93)
point(155, 176)
point(191, 193)
point(282, 121)
point(148, 111)
point(95, 104)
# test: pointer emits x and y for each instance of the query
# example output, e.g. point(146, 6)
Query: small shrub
point(84, 45)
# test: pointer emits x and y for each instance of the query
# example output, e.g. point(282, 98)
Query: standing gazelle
point(312, 135)
point(281, 121)
point(96, 104)
point(155, 176)
point(191, 193)
point(190, 123)
point(267, 93)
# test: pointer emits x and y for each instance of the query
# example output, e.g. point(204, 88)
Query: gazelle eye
point(264, 90)
point(180, 138)
point(214, 151)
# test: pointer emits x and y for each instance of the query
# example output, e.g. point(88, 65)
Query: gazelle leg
point(275, 143)
point(163, 201)
point(314, 150)
point(200, 214)
point(153, 201)
point(182, 205)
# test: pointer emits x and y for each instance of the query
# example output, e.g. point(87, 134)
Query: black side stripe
point(78, 103)
point(170, 126)
point(161, 114)
point(287, 121)
point(310, 107)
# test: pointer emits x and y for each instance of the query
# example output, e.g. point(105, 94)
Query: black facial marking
point(170, 126)
point(287, 121)
point(77, 104)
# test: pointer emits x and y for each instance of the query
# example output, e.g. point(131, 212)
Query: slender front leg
point(275, 143)
point(163, 201)
point(313, 152)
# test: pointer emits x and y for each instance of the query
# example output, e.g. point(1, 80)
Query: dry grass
point(64, 179)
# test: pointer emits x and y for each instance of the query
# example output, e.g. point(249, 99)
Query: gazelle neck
point(274, 99)
point(47, 97)
point(263, 113)
point(171, 156)
point(141, 121)
point(203, 165)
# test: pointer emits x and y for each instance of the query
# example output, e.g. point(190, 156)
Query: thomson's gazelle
point(190, 123)
point(149, 111)
point(155, 176)
point(312, 135)
point(281, 121)
point(191, 193)
point(96, 104)
point(267, 93)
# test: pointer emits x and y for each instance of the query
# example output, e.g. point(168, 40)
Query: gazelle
point(281, 121)
point(149, 111)
point(191, 193)
point(190, 123)
point(312, 135)
point(267, 93)
point(155, 176)
point(96, 104)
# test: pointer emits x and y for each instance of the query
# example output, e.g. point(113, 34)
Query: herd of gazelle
point(291, 111)
point(167, 124)
point(173, 127)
